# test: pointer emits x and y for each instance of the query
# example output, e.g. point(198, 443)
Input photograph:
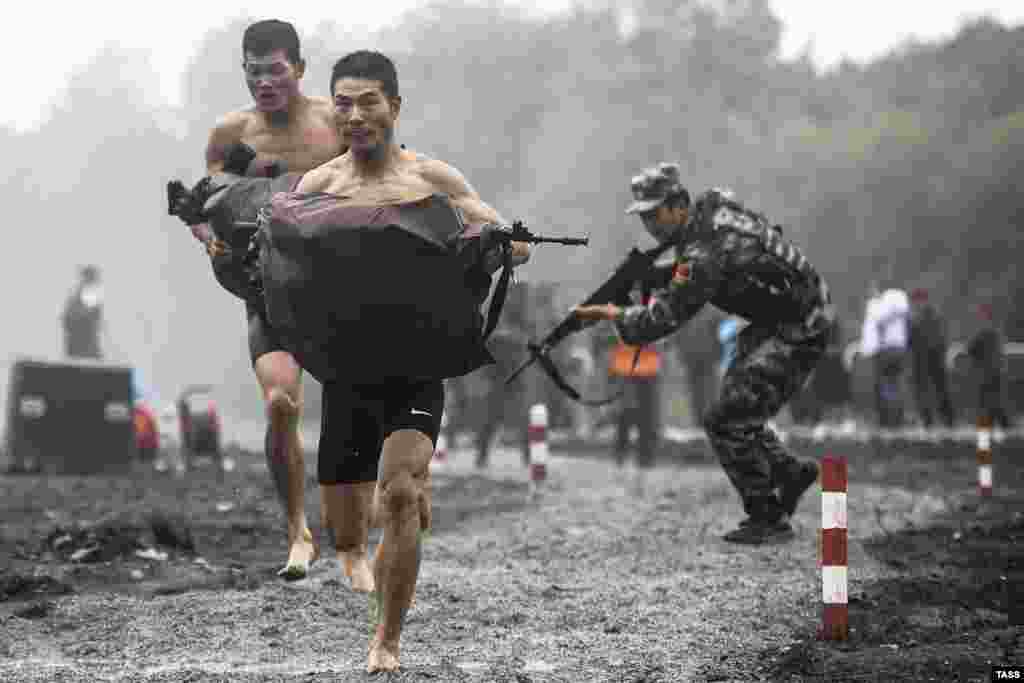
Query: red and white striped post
point(441, 447)
point(537, 435)
point(835, 623)
point(984, 457)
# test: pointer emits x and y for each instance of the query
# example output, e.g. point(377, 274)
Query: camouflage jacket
point(735, 259)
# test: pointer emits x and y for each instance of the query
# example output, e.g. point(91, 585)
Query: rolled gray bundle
point(233, 216)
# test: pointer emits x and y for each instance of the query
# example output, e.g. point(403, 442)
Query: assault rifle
point(504, 238)
point(519, 233)
point(639, 267)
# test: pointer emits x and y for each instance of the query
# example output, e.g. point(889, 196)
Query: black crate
point(72, 417)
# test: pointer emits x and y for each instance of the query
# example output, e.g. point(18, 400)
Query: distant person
point(638, 370)
point(887, 321)
point(928, 343)
point(735, 259)
point(698, 352)
point(82, 318)
point(987, 354)
point(506, 405)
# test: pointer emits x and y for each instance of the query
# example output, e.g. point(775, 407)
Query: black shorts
point(357, 419)
point(262, 338)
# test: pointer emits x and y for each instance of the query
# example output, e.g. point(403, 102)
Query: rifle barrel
point(568, 241)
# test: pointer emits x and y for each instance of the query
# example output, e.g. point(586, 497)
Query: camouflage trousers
point(771, 365)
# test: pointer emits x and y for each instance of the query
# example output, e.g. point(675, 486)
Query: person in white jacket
point(884, 339)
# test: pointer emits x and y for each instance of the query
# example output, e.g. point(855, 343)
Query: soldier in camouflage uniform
point(735, 259)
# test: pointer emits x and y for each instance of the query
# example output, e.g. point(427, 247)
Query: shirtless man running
point(283, 125)
point(386, 485)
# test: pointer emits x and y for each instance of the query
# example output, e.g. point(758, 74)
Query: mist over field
point(909, 170)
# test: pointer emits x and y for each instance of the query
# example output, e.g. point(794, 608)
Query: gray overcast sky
point(51, 39)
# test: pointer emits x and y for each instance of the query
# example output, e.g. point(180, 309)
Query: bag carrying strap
point(500, 293)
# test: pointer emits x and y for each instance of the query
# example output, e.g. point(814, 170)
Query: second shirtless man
point(283, 125)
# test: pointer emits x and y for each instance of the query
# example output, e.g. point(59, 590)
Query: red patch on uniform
point(681, 274)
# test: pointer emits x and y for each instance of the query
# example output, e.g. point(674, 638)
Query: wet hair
point(368, 65)
point(263, 37)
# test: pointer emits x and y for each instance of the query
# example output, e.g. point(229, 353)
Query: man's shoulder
point(237, 121)
point(440, 174)
point(317, 178)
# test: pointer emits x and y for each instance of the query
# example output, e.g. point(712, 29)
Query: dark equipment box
point(69, 417)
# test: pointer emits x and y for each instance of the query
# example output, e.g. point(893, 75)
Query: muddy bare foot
point(302, 553)
point(383, 654)
point(358, 569)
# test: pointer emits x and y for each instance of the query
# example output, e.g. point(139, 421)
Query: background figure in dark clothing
point(638, 406)
point(985, 350)
point(83, 316)
point(503, 404)
point(699, 353)
point(928, 343)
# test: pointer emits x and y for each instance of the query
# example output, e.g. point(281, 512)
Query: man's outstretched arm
point(449, 180)
point(695, 279)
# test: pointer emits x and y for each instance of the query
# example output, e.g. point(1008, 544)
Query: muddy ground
point(144, 577)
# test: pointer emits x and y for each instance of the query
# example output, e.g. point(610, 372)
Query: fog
point(908, 170)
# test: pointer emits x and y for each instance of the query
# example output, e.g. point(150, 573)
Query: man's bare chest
point(302, 149)
point(405, 187)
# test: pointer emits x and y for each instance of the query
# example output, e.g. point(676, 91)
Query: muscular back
point(304, 142)
point(753, 271)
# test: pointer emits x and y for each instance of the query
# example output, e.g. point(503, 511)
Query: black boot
point(754, 531)
point(794, 486)
point(768, 523)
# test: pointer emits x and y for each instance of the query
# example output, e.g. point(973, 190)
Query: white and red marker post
point(984, 457)
point(835, 620)
point(537, 436)
point(440, 458)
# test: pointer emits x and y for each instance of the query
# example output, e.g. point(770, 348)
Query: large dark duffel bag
point(372, 294)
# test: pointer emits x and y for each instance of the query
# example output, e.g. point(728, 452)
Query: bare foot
point(383, 655)
point(302, 553)
point(356, 566)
